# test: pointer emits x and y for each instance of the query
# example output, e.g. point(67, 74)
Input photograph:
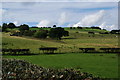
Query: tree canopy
point(57, 33)
point(23, 27)
point(41, 34)
point(4, 27)
point(11, 25)
point(54, 25)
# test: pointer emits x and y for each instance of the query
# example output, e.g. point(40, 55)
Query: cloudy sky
point(68, 14)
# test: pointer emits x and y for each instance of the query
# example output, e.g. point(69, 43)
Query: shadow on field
point(21, 54)
point(51, 53)
point(68, 38)
point(31, 54)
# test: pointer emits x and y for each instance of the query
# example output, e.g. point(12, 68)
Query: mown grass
point(102, 65)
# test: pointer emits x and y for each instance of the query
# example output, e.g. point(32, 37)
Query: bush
point(14, 33)
point(41, 34)
point(28, 33)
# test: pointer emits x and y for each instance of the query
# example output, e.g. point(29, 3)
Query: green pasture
point(85, 30)
point(102, 65)
point(71, 43)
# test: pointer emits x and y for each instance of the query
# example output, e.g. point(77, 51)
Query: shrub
point(28, 33)
point(14, 33)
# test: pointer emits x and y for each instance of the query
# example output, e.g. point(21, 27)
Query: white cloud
point(102, 26)
point(58, 13)
point(91, 19)
point(43, 23)
point(108, 27)
point(16, 23)
point(112, 27)
point(62, 19)
point(103, 19)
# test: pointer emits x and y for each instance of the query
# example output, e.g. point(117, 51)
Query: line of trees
point(24, 30)
point(5, 26)
point(54, 33)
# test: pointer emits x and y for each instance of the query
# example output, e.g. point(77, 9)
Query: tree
point(54, 26)
point(4, 27)
point(0, 29)
point(79, 27)
point(41, 34)
point(11, 25)
point(23, 27)
point(115, 31)
point(70, 27)
point(66, 33)
point(93, 27)
point(57, 33)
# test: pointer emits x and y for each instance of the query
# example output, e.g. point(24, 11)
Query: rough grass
point(102, 65)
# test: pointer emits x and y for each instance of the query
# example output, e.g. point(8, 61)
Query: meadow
point(99, 64)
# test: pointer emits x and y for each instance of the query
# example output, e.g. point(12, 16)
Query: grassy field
point(102, 65)
point(67, 44)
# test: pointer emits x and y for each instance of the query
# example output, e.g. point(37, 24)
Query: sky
point(62, 13)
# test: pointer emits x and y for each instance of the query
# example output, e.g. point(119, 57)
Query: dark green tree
point(57, 33)
point(41, 34)
point(66, 33)
point(23, 27)
point(54, 25)
point(4, 27)
point(11, 25)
